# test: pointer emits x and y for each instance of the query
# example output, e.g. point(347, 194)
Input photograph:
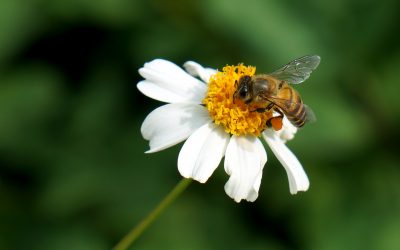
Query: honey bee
point(273, 92)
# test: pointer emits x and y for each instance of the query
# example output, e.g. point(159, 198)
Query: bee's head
point(243, 89)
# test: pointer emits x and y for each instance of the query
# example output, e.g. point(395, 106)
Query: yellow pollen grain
point(236, 117)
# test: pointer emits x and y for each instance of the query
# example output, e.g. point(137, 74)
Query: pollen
point(237, 117)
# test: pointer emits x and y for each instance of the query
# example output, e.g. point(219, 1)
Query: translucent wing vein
point(298, 70)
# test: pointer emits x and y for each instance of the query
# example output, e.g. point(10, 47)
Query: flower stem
point(146, 222)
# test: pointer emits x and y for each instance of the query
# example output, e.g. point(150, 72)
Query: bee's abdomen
point(297, 118)
point(296, 114)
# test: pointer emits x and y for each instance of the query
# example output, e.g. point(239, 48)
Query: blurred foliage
point(73, 174)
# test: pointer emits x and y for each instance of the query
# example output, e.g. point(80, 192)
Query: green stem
point(146, 222)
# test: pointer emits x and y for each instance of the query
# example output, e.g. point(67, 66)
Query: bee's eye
point(243, 93)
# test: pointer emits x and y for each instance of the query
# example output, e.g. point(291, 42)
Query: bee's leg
point(259, 110)
point(269, 122)
point(262, 110)
point(279, 112)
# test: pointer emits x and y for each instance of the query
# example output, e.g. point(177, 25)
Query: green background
point(73, 173)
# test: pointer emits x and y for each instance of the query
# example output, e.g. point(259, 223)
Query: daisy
point(200, 109)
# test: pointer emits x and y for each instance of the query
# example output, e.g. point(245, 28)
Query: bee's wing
point(297, 71)
point(310, 114)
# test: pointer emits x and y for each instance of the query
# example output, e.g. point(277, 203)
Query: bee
point(273, 91)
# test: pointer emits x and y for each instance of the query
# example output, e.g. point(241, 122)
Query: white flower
point(211, 130)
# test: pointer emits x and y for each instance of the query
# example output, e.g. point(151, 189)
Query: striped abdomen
point(291, 105)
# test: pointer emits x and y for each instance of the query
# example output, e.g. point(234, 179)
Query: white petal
point(167, 82)
point(288, 130)
point(172, 123)
point(245, 158)
point(298, 180)
point(156, 92)
point(197, 70)
point(202, 152)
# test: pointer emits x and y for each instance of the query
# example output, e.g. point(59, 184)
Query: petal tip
point(185, 174)
point(201, 180)
point(302, 189)
point(141, 71)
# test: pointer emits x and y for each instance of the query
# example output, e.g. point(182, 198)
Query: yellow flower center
point(235, 116)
